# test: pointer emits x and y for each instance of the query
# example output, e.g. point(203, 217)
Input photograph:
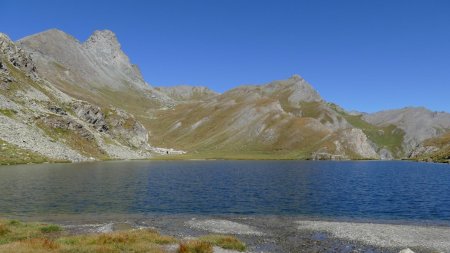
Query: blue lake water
point(405, 191)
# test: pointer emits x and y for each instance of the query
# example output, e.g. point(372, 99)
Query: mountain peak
point(296, 77)
point(5, 43)
point(298, 88)
point(104, 44)
point(102, 38)
point(4, 37)
point(49, 36)
point(99, 61)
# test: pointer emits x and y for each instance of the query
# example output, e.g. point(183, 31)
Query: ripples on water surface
point(364, 190)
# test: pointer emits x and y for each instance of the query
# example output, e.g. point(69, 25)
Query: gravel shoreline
point(420, 238)
point(278, 233)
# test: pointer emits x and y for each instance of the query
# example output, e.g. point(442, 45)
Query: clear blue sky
point(367, 55)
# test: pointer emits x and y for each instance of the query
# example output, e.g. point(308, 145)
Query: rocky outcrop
point(385, 154)
point(68, 124)
point(116, 123)
point(126, 128)
point(13, 56)
point(57, 110)
point(355, 140)
point(327, 156)
point(16, 56)
point(422, 150)
point(91, 114)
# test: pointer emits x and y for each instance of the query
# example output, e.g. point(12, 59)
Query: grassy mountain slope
point(272, 120)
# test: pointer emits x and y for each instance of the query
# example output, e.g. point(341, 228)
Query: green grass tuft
point(14, 223)
point(8, 112)
point(51, 229)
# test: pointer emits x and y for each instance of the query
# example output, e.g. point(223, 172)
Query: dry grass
point(224, 241)
point(13, 231)
point(145, 240)
point(21, 237)
point(4, 230)
point(195, 247)
point(440, 141)
point(34, 245)
point(38, 237)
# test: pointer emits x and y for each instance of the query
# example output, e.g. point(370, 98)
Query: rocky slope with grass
point(285, 118)
point(38, 118)
point(66, 100)
point(418, 124)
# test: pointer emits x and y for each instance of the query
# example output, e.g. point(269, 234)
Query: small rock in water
point(407, 250)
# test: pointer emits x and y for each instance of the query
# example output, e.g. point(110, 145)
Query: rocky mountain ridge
point(97, 62)
point(88, 102)
point(185, 93)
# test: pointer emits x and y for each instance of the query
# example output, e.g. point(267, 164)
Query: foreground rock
point(407, 250)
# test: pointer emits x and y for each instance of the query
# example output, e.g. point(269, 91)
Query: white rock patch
point(223, 227)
